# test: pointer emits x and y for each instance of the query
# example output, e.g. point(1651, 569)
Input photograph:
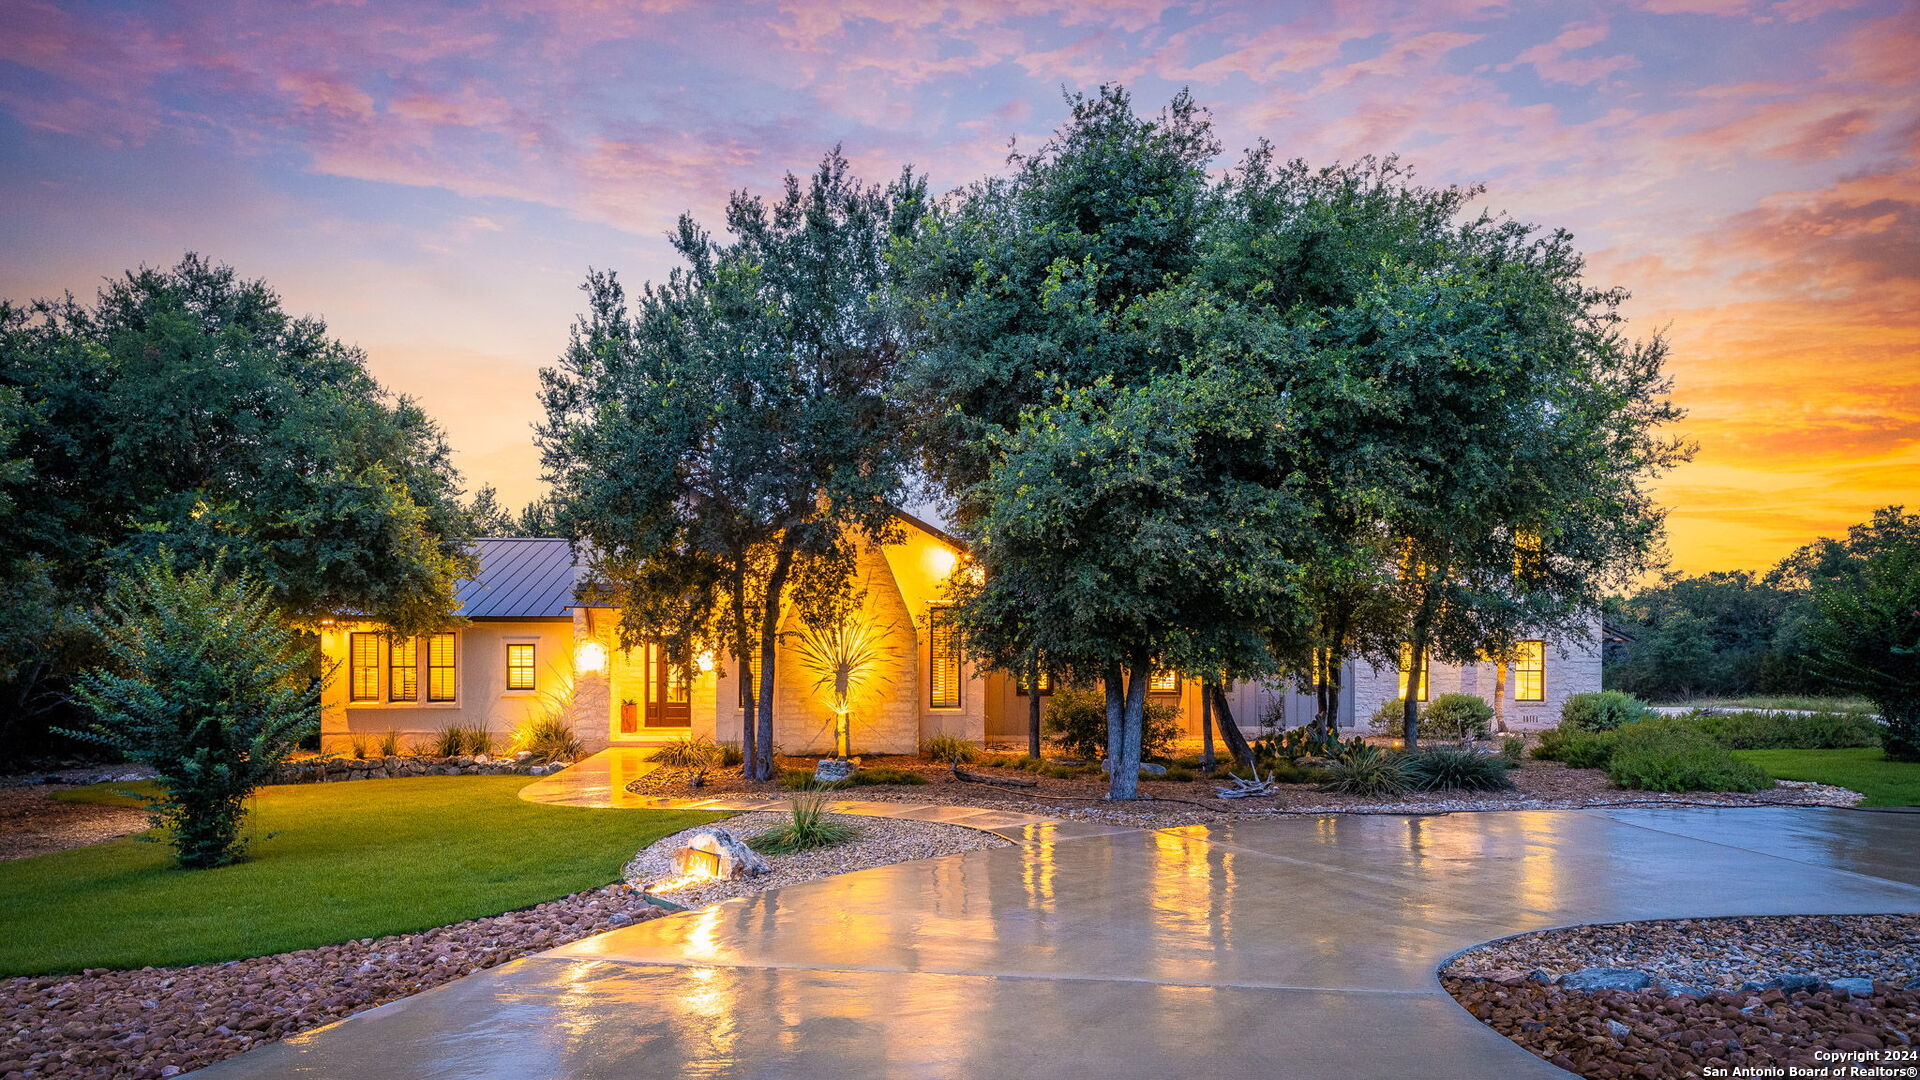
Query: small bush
point(357, 744)
point(801, 780)
point(808, 829)
point(1386, 719)
point(1447, 769)
point(885, 774)
point(1175, 773)
point(1457, 716)
point(1371, 771)
point(1654, 756)
point(1785, 731)
point(952, 749)
point(1077, 721)
point(1513, 750)
point(1606, 710)
point(1292, 772)
point(550, 740)
point(1293, 744)
point(390, 743)
point(1576, 749)
point(694, 752)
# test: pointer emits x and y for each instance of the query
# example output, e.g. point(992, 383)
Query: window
point(1406, 662)
point(520, 666)
point(1530, 671)
point(943, 659)
point(1163, 682)
point(1046, 684)
point(364, 660)
point(440, 667)
point(751, 663)
point(403, 669)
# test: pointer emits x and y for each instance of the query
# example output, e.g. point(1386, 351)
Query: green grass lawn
point(1800, 703)
point(329, 863)
point(1883, 782)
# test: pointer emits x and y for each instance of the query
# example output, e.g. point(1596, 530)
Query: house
point(529, 648)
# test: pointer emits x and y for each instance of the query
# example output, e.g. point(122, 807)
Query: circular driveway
point(1298, 947)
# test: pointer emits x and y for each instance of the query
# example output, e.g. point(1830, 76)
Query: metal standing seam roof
point(520, 578)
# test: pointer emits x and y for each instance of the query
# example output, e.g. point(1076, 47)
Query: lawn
point(1797, 703)
point(1883, 782)
point(330, 863)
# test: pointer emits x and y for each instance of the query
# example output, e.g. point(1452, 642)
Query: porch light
point(589, 657)
point(941, 561)
point(705, 661)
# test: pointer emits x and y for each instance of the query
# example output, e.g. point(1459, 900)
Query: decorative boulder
point(718, 853)
point(832, 771)
point(1600, 978)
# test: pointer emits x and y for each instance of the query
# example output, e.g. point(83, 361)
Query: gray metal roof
point(520, 579)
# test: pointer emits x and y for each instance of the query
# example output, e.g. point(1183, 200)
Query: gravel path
point(32, 822)
point(875, 842)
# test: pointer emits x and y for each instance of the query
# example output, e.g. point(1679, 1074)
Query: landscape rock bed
point(318, 770)
point(1726, 993)
point(33, 822)
point(157, 1022)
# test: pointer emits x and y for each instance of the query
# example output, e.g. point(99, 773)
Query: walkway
point(1302, 947)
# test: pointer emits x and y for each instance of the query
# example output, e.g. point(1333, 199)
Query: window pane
point(440, 667)
point(1046, 684)
point(1406, 661)
point(943, 655)
point(403, 669)
point(1163, 682)
point(519, 667)
point(364, 662)
point(1530, 672)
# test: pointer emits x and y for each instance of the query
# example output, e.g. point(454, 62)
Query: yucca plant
point(689, 753)
point(1368, 771)
point(847, 656)
point(356, 744)
point(809, 828)
point(550, 740)
point(1449, 769)
point(390, 743)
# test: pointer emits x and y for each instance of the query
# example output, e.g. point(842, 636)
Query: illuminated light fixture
point(701, 864)
point(326, 620)
point(705, 661)
point(589, 657)
point(941, 561)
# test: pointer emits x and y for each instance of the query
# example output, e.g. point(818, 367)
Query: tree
point(487, 517)
point(184, 408)
point(1868, 636)
point(721, 447)
point(206, 684)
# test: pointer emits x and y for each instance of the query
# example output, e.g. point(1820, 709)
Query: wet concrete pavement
point(1299, 947)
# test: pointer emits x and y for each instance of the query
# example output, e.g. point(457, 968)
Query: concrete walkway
point(1301, 947)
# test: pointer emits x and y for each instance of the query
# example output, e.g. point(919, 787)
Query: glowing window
point(1046, 684)
point(943, 659)
point(440, 667)
point(1164, 682)
point(365, 664)
point(1530, 672)
point(1406, 663)
point(403, 669)
point(520, 666)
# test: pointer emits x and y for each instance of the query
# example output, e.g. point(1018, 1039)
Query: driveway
point(1297, 947)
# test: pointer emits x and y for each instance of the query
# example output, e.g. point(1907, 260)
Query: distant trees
point(487, 517)
point(184, 408)
point(1868, 637)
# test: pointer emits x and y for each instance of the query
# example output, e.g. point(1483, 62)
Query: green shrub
point(1368, 771)
point(1513, 750)
point(1174, 773)
point(952, 749)
point(207, 686)
point(1292, 772)
point(694, 752)
point(731, 756)
point(1292, 744)
point(390, 743)
point(1605, 710)
point(1663, 756)
point(550, 740)
point(809, 828)
point(801, 780)
point(357, 744)
point(1786, 731)
point(1457, 716)
point(885, 774)
point(1449, 769)
point(1386, 719)
point(1077, 721)
point(1577, 749)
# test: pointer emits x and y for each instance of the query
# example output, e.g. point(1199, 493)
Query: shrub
point(885, 774)
point(357, 744)
point(731, 756)
point(1577, 749)
point(207, 686)
point(695, 752)
point(390, 743)
point(550, 740)
point(1457, 716)
point(1386, 719)
point(1655, 756)
point(809, 828)
point(952, 749)
point(1786, 731)
point(1295, 743)
point(1370, 771)
point(1513, 750)
point(1605, 710)
point(1292, 772)
point(1173, 773)
point(1449, 769)
point(1077, 721)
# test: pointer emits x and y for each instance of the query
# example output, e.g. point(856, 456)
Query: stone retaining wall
point(322, 770)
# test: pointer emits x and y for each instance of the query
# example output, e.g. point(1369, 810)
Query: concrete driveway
point(1297, 947)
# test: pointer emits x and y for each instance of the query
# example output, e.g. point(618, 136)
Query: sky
point(434, 180)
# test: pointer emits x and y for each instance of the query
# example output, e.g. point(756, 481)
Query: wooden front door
point(669, 698)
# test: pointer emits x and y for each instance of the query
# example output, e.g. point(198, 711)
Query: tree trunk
point(1207, 762)
point(769, 642)
point(1410, 704)
point(1033, 709)
point(743, 656)
point(1116, 687)
point(1123, 782)
point(1335, 681)
point(1500, 696)
point(1229, 730)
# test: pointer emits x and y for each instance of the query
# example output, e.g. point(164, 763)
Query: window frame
point(1537, 669)
point(356, 665)
point(1404, 672)
point(531, 668)
point(451, 667)
point(1021, 689)
point(1163, 682)
point(939, 622)
point(410, 669)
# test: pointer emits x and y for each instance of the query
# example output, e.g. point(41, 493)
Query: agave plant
point(848, 656)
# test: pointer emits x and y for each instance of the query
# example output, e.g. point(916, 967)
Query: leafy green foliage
point(1513, 750)
point(1369, 771)
point(1076, 720)
point(456, 740)
point(809, 828)
point(874, 775)
point(1786, 731)
point(1043, 767)
point(550, 739)
point(1450, 769)
point(1292, 744)
point(1575, 748)
point(694, 752)
point(1604, 710)
point(1657, 755)
point(1457, 716)
point(205, 684)
point(952, 749)
point(1868, 636)
point(1387, 719)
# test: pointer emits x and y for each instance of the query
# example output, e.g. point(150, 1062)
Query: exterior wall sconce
point(590, 657)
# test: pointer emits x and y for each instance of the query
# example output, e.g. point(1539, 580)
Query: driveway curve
point(1298, 947)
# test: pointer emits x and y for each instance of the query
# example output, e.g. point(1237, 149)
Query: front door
point(669, 698)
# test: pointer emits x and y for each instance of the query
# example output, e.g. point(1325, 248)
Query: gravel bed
point(32, 822)
point(875, 842)
point(1610, 1034)
point(1714, 954)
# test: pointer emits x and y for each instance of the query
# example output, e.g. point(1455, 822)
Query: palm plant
point(847, 655)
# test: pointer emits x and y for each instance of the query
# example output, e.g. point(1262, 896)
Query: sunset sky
point(434, 180)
